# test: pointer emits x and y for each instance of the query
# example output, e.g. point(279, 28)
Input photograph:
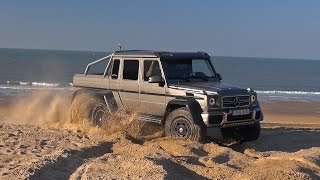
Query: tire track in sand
point(69, 161)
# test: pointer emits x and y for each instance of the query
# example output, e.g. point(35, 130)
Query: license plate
point(240, 112)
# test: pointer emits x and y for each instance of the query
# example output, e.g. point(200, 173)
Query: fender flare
point(106, 96)
point(191, 104)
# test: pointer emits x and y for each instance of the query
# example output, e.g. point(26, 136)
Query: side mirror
point(219, 76)
point(155, 79)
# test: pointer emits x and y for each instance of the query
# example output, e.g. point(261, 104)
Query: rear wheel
point(99, 114)
point(242, 133)
point(88, 108)
point(179, 125)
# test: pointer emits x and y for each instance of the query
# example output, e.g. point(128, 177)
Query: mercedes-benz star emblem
point(236, 101)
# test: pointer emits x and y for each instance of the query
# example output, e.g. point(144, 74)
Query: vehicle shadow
point(65, 166)
point(278, 139)
point(176, 170)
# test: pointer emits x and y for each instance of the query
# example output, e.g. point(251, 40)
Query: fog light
point(212, 101)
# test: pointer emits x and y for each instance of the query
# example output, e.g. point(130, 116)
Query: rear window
point(115, 69)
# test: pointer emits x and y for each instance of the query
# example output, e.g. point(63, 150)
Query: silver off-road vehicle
point(181, 91)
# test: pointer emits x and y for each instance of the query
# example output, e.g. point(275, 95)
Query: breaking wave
point(25, 83)
point(288, 92)
point(298, 96)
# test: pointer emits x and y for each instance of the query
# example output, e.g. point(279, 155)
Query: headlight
point(253, 98)
point(212, 101)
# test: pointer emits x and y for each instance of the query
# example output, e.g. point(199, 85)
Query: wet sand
point(292, 114)
point(38, 142)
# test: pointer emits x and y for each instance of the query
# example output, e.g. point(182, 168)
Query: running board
point(149, 118)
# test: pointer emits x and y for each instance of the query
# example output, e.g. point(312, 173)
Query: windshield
point(188, 69)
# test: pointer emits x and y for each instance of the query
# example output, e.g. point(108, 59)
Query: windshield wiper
point(181, 78)
point(198, 75)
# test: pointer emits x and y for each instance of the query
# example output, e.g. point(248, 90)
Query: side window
point(115, 69)
point(151, 68)
point(130, 69)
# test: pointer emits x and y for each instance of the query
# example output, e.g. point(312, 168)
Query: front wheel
point(179, 125)
point(243, 133)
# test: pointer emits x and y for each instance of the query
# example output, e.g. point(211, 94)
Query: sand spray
point(49, 109)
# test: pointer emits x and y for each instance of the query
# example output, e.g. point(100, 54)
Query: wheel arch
point(192, 106)
point(105, 96)
point(87, 92)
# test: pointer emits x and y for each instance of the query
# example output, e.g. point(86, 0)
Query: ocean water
point(274, 79)
point(22, 71)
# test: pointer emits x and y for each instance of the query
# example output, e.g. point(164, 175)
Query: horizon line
point(233, 56)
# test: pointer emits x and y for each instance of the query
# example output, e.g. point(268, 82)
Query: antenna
point(119, 46)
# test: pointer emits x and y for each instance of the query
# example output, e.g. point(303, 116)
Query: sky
point(247, 28)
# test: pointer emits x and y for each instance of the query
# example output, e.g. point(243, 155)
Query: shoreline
point(292, 113)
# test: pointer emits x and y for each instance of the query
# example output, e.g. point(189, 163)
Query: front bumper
point(226, 119)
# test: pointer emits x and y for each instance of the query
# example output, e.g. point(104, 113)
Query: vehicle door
point(152, 95)
point(129, 83)
point(113, 79)
point(113, 75)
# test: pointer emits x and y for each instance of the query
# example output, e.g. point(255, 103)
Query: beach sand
point(38, 142)
point(295, 114)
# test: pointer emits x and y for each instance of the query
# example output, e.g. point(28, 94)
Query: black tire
point(99, 114)
point(179, 125)
point(88, 108)
point(242, 133)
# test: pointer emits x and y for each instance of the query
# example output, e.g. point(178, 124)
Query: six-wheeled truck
point(181, 91)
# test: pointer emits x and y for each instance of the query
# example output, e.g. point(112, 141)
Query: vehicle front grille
point(235, 101)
